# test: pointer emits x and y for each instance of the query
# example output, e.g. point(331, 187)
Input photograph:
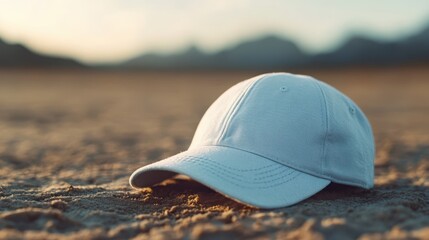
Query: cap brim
point(243, 176)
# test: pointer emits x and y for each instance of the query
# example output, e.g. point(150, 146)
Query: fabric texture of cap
point(272, 141)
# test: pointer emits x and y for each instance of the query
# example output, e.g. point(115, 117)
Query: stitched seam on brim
point(357, 183)
point(204, 163)
point(228, 179)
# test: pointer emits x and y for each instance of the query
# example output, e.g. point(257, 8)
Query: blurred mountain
point(270, 52)
point(273, 52)
point(265, 53)
point(16, 55)
point(190, 58)
point(364, 51)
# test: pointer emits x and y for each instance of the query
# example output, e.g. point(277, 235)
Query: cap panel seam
point(229, 113)
point(236, 106)
point(324, 102)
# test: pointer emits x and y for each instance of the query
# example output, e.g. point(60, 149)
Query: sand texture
point(69, 141)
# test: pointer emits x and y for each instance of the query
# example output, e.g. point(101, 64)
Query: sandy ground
point(69, 141)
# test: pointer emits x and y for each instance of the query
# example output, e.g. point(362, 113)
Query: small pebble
point(59, 204)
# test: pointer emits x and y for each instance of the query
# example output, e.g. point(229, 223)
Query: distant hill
point(273, 52)
point(264, 53)
point(16, 56)
point(270, 52)
point(364, 51)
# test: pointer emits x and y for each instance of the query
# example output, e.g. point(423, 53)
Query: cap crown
point(294, 120)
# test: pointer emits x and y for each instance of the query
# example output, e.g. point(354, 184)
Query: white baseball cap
point(272, 141)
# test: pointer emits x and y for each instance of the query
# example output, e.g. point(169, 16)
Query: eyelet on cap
point(284, 89)
point(352, 110)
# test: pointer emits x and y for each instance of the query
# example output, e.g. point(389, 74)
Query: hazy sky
point(113, 30)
